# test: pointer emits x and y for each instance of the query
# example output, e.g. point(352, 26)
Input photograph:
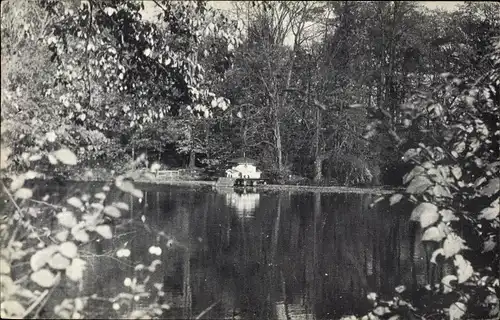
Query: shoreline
point(271, 187)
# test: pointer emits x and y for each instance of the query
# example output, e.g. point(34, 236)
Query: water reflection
point(243, 201)
point(301, 256)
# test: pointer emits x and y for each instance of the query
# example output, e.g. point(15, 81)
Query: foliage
point(455, 187)
point(92, 83)
point(110, 92)
point(371, 55)
point(111, 72)
point(109, 69)
point(36, 260)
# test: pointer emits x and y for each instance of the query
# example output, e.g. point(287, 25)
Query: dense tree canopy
point(114, 83)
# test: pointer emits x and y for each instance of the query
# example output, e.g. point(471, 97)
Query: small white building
point(245, 168)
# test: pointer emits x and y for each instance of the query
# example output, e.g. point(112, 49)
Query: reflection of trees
point(347, 250)
point(310, 253)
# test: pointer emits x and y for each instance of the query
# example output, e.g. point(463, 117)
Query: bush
point(35, 262)
point(454, 187)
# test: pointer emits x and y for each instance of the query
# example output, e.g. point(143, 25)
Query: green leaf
point(59, 262)
point(491, 188)
point(395, 198)
point(7, 286)
point(139, 267)
point(137, 193)
point(453, 245)
point(100, 195)
point(410, 154)
point(104, 231)
point(62, 235)
point(426, 213)
point(41, 257)
point(418, 185)
point(67, 219)
point(380, 310)
point(38, 260)
point(121, 205)
point(491, 212)
point(35, 157)
point(429, 217)
point(489, 245)
point(400, 289)
point(479, 181)
point(433, 234)
point(464, 268)
point(440, 191)
point(125, 186)
point(376, 201)
point(17, 182)
point(68, 249)
point(51, 136)
point(4, 267)
point(457, 172)
point(123, 253)
point(457, 311)
point(52, 159)
point(13, 309)
point(447, 215)
point(66, 156)
point(31, 175)
point(112, 211)
point(75, 271)
point(75, 202)
point(165, 306)
point(80, 235)
point(25, 293)
point(97, 206)
point(44, 278)
point(447, 287)
point(418, 170)
point(23, 193)
point(435, 254)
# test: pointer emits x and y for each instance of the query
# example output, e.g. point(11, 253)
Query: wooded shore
point(277, 187)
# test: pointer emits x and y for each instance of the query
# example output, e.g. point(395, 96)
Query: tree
point(27, 113)
point(134, 71)
point(266, 69)
point(106, 58)
point(455, 187)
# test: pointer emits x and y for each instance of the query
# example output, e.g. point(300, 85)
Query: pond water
point(266, 255)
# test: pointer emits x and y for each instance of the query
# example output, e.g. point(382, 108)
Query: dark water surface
point(267, 255)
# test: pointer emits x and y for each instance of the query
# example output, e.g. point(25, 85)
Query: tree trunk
point(382, 65)
point(192, 154)
point(281, 104)
point(318, 169)
point(277, 135)
point(207, 138)
point(389, 98)
point(318, 162)
point(133, 158)
point(245, 142)
point(192, 159)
